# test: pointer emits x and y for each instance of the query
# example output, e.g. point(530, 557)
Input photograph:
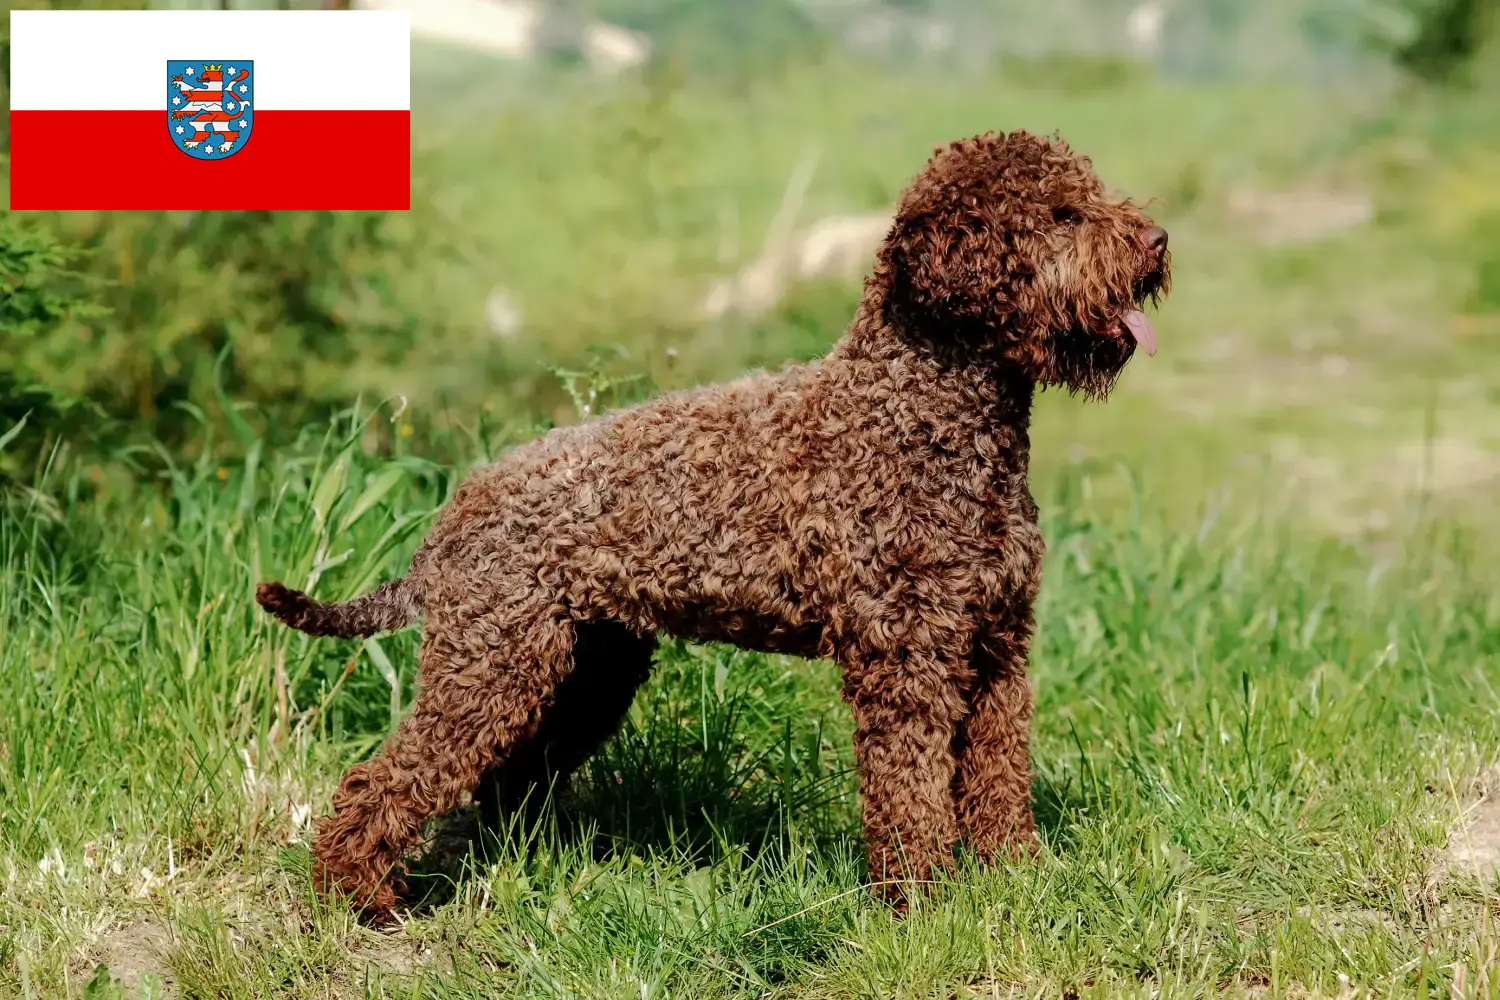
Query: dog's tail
point(390, 606)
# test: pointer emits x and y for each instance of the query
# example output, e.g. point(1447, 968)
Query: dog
point(871, 507)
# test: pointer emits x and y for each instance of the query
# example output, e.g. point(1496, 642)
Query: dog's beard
point(1086, 357)
point(1088, 364)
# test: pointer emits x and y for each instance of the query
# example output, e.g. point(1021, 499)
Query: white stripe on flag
point(116, 60)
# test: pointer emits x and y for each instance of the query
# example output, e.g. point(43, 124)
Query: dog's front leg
point(993, 790)
point(906, 706)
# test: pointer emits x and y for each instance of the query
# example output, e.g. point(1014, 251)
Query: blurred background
point(614, 196)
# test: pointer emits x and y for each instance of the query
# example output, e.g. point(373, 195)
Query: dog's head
point(1009, 244)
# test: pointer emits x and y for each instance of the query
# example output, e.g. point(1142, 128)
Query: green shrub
point(1450, 34)
point(38, 294)
point(301, 302)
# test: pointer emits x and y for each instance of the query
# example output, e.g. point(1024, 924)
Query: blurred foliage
point(39, 293)
point(734, 41)
point(299, 300)
point(1074, 73)
point(1486, 297)
point(1450, 34)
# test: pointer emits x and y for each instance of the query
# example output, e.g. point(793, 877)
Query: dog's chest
point(1018, 549)
point(1009, 547)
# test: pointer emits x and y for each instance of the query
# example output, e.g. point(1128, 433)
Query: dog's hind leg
point(486, 675)
point(993, 789)
point(610, 662)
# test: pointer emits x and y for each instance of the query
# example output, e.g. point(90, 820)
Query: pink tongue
point(1140, 328)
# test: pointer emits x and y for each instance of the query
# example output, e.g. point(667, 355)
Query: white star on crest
point(243, 123)
point(180, 130)
point(244, 88)
point(176, 100)
point(189, 71)
point(229, 106)
point(230, 71)
point(208, 149)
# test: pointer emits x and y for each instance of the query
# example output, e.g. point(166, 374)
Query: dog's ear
point(952, 253)
point(950, 258)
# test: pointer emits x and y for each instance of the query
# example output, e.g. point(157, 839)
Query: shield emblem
point(209, 106)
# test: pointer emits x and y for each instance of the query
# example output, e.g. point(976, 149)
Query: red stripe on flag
point(290, 160)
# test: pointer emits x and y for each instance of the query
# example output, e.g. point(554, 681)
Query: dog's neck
point(979, 393)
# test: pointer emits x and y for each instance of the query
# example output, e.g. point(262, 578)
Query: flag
point(195, 109)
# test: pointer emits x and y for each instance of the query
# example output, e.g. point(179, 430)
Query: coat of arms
point(209, 112)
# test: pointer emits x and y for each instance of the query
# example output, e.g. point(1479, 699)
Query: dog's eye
point(1066, 215)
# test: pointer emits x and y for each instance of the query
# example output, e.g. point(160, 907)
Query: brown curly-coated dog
point(871, 507)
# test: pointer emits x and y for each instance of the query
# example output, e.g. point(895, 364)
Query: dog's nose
point(1155, 239)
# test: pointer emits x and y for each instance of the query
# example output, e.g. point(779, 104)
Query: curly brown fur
point(871, 507)
point(390, 606)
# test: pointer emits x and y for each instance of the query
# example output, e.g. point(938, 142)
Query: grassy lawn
point(1268, 635)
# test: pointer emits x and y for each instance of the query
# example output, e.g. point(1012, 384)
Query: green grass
point(1262, 709)
point(1250, 750)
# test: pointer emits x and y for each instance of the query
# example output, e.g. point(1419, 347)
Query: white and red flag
point(253, 109)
